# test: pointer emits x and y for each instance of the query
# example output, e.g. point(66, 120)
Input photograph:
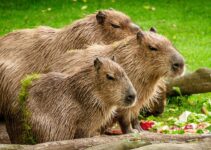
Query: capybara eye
point(152, 48)
point(109, 77)
point(115, 26)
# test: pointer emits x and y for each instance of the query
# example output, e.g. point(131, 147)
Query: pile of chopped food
point(186, 124)
point(186, 115)
point(182, 115)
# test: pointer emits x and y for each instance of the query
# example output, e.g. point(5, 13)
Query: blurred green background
point(186, 22)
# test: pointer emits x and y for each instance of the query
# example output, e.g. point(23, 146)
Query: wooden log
point(201, 145)
point(192, 83)
point(144, 138)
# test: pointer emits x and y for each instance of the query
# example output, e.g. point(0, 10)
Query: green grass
point(187, 23)
point(177, 105)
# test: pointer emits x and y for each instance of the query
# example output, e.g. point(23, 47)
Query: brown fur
point(145, 68)
point(32, 50)
point(156, 107)
point(80, 34)
point(74, 106)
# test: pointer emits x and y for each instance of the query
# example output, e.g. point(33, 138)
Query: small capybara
point(65, 106)
point(147, 59)
point(32, 50)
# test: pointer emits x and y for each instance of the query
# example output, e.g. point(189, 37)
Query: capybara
point(31, 50)
point(65, 106)
point(105, 26)
point(146, 57)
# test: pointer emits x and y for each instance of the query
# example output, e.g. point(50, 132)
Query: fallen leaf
point(84, 7)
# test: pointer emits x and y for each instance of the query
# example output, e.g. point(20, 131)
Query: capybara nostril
point(130, 98)
point(176, 66)
point(178, 63)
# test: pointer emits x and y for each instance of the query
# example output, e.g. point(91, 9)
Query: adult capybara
point(65, 106)
point(105, 26)
point(32, 50)
point(147, 59)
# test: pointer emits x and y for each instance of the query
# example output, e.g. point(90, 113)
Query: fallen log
point(140, 139)
point(192, 83)
point(202, 145)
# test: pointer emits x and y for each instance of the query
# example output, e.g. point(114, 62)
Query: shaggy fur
point(64, 107)
point(156, 107)
point(32, 50)
point(145, 66)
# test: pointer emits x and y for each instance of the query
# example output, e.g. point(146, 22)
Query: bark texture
point(192, 83)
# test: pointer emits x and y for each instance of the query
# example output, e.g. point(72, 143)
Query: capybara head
point(115, 25)
point(112, 83)
point(159, 55)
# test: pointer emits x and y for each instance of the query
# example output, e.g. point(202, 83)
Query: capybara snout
point(134, 27)
point(130, 97)
point(177, 64)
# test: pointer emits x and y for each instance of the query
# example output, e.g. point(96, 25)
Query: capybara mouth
point(158, 112)
point(129, 102)
point(177, 67)
point(178, 71)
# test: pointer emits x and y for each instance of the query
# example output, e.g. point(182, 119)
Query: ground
point(186, 23)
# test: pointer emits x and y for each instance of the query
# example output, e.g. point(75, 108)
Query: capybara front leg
point(136, 125)
point(125, 124)
point(81, 133)
point(14, 130)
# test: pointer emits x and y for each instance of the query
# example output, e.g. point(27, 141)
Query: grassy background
point(186, 22)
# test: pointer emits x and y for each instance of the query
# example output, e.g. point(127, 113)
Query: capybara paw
point(138, 128)
point(131, 131)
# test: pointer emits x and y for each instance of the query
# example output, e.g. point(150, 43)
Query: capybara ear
point(97, 63)
point(152, 29)
point(113, 58)
point(139, 35)
point(100, 17)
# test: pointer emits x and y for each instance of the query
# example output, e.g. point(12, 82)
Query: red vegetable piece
point(188, 126)
point(146, 125)
point(116, 132)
